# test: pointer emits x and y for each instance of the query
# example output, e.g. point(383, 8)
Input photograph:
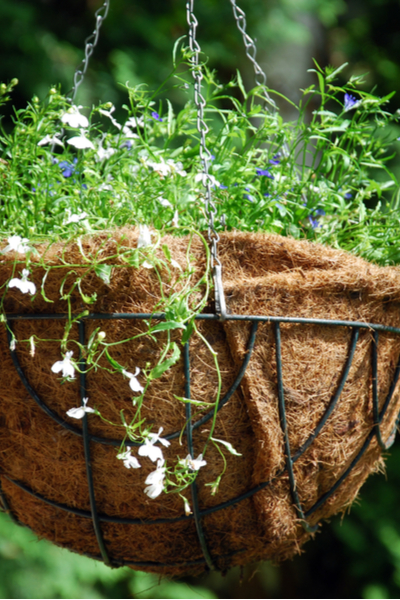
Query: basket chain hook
point(205, 156)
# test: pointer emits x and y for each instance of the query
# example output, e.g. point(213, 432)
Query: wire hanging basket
point(309, 346)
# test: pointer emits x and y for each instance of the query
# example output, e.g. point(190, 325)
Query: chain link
point(90, 44)
point(260, 76)
point(251, 52)
point(203, 129)
point(205, 157)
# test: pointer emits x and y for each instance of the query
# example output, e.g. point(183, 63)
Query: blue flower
point(275, 160)
point(223, 187)
point(128, 144)
point(67, 169)
point(318, 212)
point(348, 196)
point(264, 172)
point(349, 102)
point(248, 197)
point(156, 116)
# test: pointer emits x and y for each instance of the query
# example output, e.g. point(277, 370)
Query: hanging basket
point(309, 400)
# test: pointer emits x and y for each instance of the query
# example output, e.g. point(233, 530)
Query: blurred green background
point(41, 43)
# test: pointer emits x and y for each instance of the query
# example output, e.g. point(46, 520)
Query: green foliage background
point(41, 43)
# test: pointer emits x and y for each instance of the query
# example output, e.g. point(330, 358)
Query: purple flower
point(264, 172)
point(156, 116)
point(349, 101)
point(348, 196)
point(128, 144)
point(223, 187)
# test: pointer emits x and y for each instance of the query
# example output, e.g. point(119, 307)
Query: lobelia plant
point(66, 172)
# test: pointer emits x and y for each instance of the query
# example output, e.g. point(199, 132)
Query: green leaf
point(187, 333)
point(191, 401)
point(166, 326)
point(332, 76)
point(227, 445)
point(113, 362)
point(166, 252)
point(164, 366)
point(92, 337)
point(104, 272)
point(240, 84)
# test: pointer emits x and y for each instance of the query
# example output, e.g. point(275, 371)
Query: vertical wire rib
point(189, 437)
point(354, 339)
point(86, 447)
point(375, 399)
point(283, 422)
point(329, 493)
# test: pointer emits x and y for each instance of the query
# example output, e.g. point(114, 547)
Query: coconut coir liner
point(263, 275)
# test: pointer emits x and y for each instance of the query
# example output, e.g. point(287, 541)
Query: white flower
point(175, 220)
point(79, 413)
point(168, 167)
point(134, 122)
point(65, 365)
point(155, 481)
point(161, 168)
point(23, 284)
point(105, 187)
point(144, 238)
point(15, 242)
point(193, 464)
point(175, 264)
point(178, 169)
point(13, 344)
point(74, 218)
point(81, 141)
point(129, 133)
point(155, 437)
point(130, 462)
point(133, 382)
point(164, 202)
point(50, 140)
point(73, 118)
point(149, 449)
point(188, 510)
point(108, 113)
point(104, 153)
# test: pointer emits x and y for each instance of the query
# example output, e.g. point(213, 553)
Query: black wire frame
point(198, 514)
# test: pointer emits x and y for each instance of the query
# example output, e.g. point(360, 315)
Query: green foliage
point(326, 179)
point(37, 569)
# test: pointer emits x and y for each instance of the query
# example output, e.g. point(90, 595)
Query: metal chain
point(205, 156)
point(251, 52)
point(260, 76)
point(90, 44)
